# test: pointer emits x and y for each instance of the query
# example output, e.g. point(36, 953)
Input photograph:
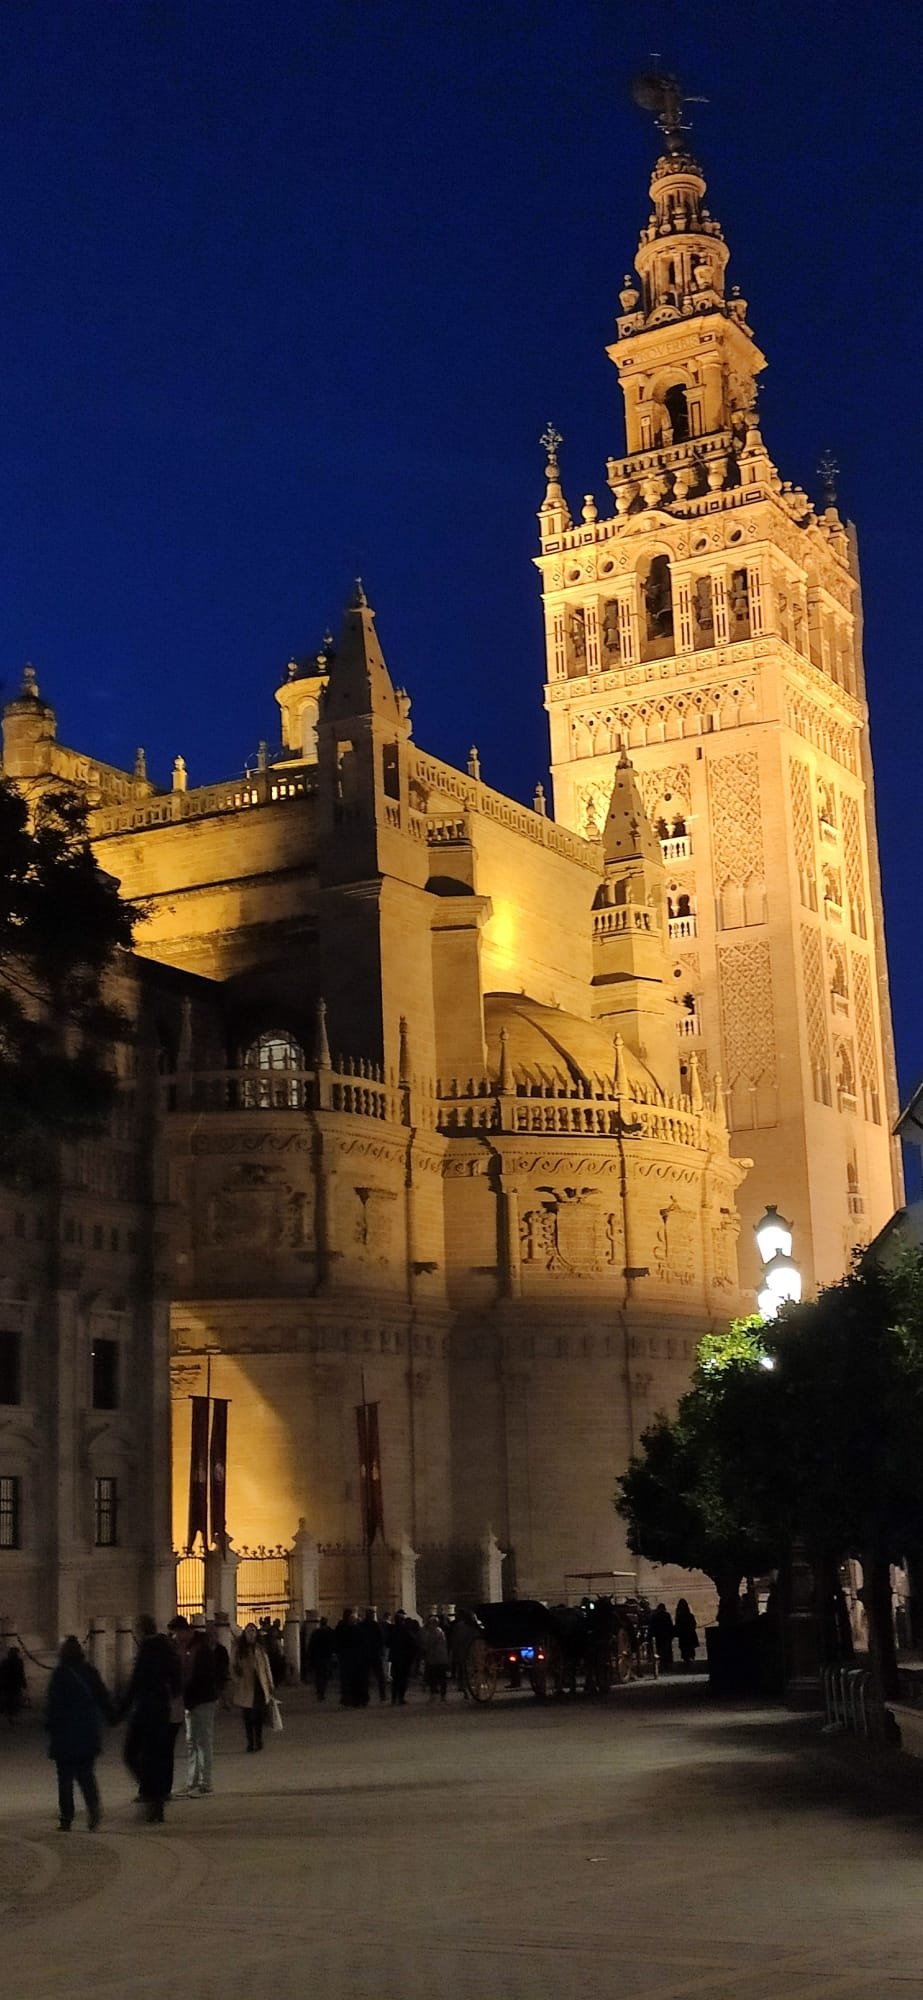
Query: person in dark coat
point(76, 1706)
point(318, 1657)
point(154, 1706)
point(662, 1635)
point(374, 1642)
point(687, 1632)
point(404, 1653)
point(12, 1684)
point(353, 1659)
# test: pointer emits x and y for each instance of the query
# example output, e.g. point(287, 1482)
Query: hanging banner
point(198, 1473)
point(218, 1472)
point(370, 1496)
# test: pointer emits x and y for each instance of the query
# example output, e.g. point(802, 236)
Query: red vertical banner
point(198, 1473)
point(370, 1499)
point(218, 1472)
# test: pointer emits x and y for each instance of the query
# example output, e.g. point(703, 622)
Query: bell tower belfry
point(708, 623)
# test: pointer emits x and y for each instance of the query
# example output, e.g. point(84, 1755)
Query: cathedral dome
point(544, 1041)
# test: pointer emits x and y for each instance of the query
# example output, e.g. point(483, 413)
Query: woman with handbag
point(253, 1685)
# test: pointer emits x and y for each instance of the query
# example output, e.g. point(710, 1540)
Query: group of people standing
point(178, 1680)
point(370, 1653)
point(681, 1628)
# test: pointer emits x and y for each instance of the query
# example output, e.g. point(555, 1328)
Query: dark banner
point(198, 1473)
point(218, 1473)
point(370, 1499)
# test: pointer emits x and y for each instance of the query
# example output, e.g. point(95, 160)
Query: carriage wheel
point(481, 1672)
point(623, 1656)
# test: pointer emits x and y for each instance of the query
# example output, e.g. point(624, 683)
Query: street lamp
point(773, 1233)
point(781, 1277)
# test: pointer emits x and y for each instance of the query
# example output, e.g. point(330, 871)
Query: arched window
point(703, 616)
point(278, 1065)
point(676, 404)
point(657, 592)
point(739, 605)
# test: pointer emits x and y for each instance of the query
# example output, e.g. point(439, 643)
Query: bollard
point(125, 1650)
point(291, 1642)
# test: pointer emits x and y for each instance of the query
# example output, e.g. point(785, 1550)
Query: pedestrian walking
point(435, 1649)
point(12, 1684)
point(154, 1706)
point(403, 1652)
point(77, 1704)
point(353, 1659)
point(202, 1684)
point(319, 1657)
point(662, 1635)
point(374, 1643)
point(687, 1632)
point(252, 1682)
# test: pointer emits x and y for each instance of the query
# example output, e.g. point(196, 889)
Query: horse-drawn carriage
point(596, 1644)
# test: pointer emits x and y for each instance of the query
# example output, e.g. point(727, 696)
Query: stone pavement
point(653, 1848)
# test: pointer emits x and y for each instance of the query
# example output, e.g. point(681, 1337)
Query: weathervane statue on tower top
point(551, 439)
point(659, 92)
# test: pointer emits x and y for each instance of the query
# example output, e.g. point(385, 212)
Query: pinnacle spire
point(360, 683)
point(628, 834)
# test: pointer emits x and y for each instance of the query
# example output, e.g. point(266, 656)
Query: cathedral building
point(446, 1106)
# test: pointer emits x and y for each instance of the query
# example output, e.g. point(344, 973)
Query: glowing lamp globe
point(773, 1234)
point(783, 1279)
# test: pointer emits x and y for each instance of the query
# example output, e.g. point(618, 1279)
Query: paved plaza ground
point(652, 1848)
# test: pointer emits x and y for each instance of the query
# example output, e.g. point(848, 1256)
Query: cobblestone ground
point(651, 1849)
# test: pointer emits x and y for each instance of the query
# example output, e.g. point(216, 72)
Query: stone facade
point(428, 1097)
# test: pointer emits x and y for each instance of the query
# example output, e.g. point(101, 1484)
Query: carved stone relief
point(373, 1223)
point(256, 1208)
point(674, 1248)
point(570, 1232)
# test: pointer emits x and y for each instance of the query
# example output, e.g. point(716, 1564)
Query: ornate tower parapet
point(29, 732)
point(299, 699)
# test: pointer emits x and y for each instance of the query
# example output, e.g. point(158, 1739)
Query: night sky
point(290, 289)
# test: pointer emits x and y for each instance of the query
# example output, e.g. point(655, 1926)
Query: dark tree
point(62, 925)
point(698, 1493)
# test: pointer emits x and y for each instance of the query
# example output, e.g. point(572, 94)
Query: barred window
point(9, 1512)
point(10, 1367)
point(106, 1503)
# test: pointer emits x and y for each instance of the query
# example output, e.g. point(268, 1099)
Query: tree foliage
point(808, 1430)
point(62, 923)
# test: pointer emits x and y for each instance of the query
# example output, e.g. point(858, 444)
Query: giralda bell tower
point(710, 624)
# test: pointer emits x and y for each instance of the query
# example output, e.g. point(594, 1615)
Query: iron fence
point(263, 1584)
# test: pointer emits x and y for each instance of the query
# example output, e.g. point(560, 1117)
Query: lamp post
point(781, 1277)
point(782, 1286)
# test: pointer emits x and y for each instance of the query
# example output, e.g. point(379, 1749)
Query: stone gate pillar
point(492, 1561)
point(403, 1566)
point(221, 1581)
point(304, 1573)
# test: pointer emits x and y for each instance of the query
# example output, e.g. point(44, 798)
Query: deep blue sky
point(289, 289)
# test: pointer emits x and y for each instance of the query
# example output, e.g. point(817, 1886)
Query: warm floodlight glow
point(766, 1360)
point(773, 1233)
